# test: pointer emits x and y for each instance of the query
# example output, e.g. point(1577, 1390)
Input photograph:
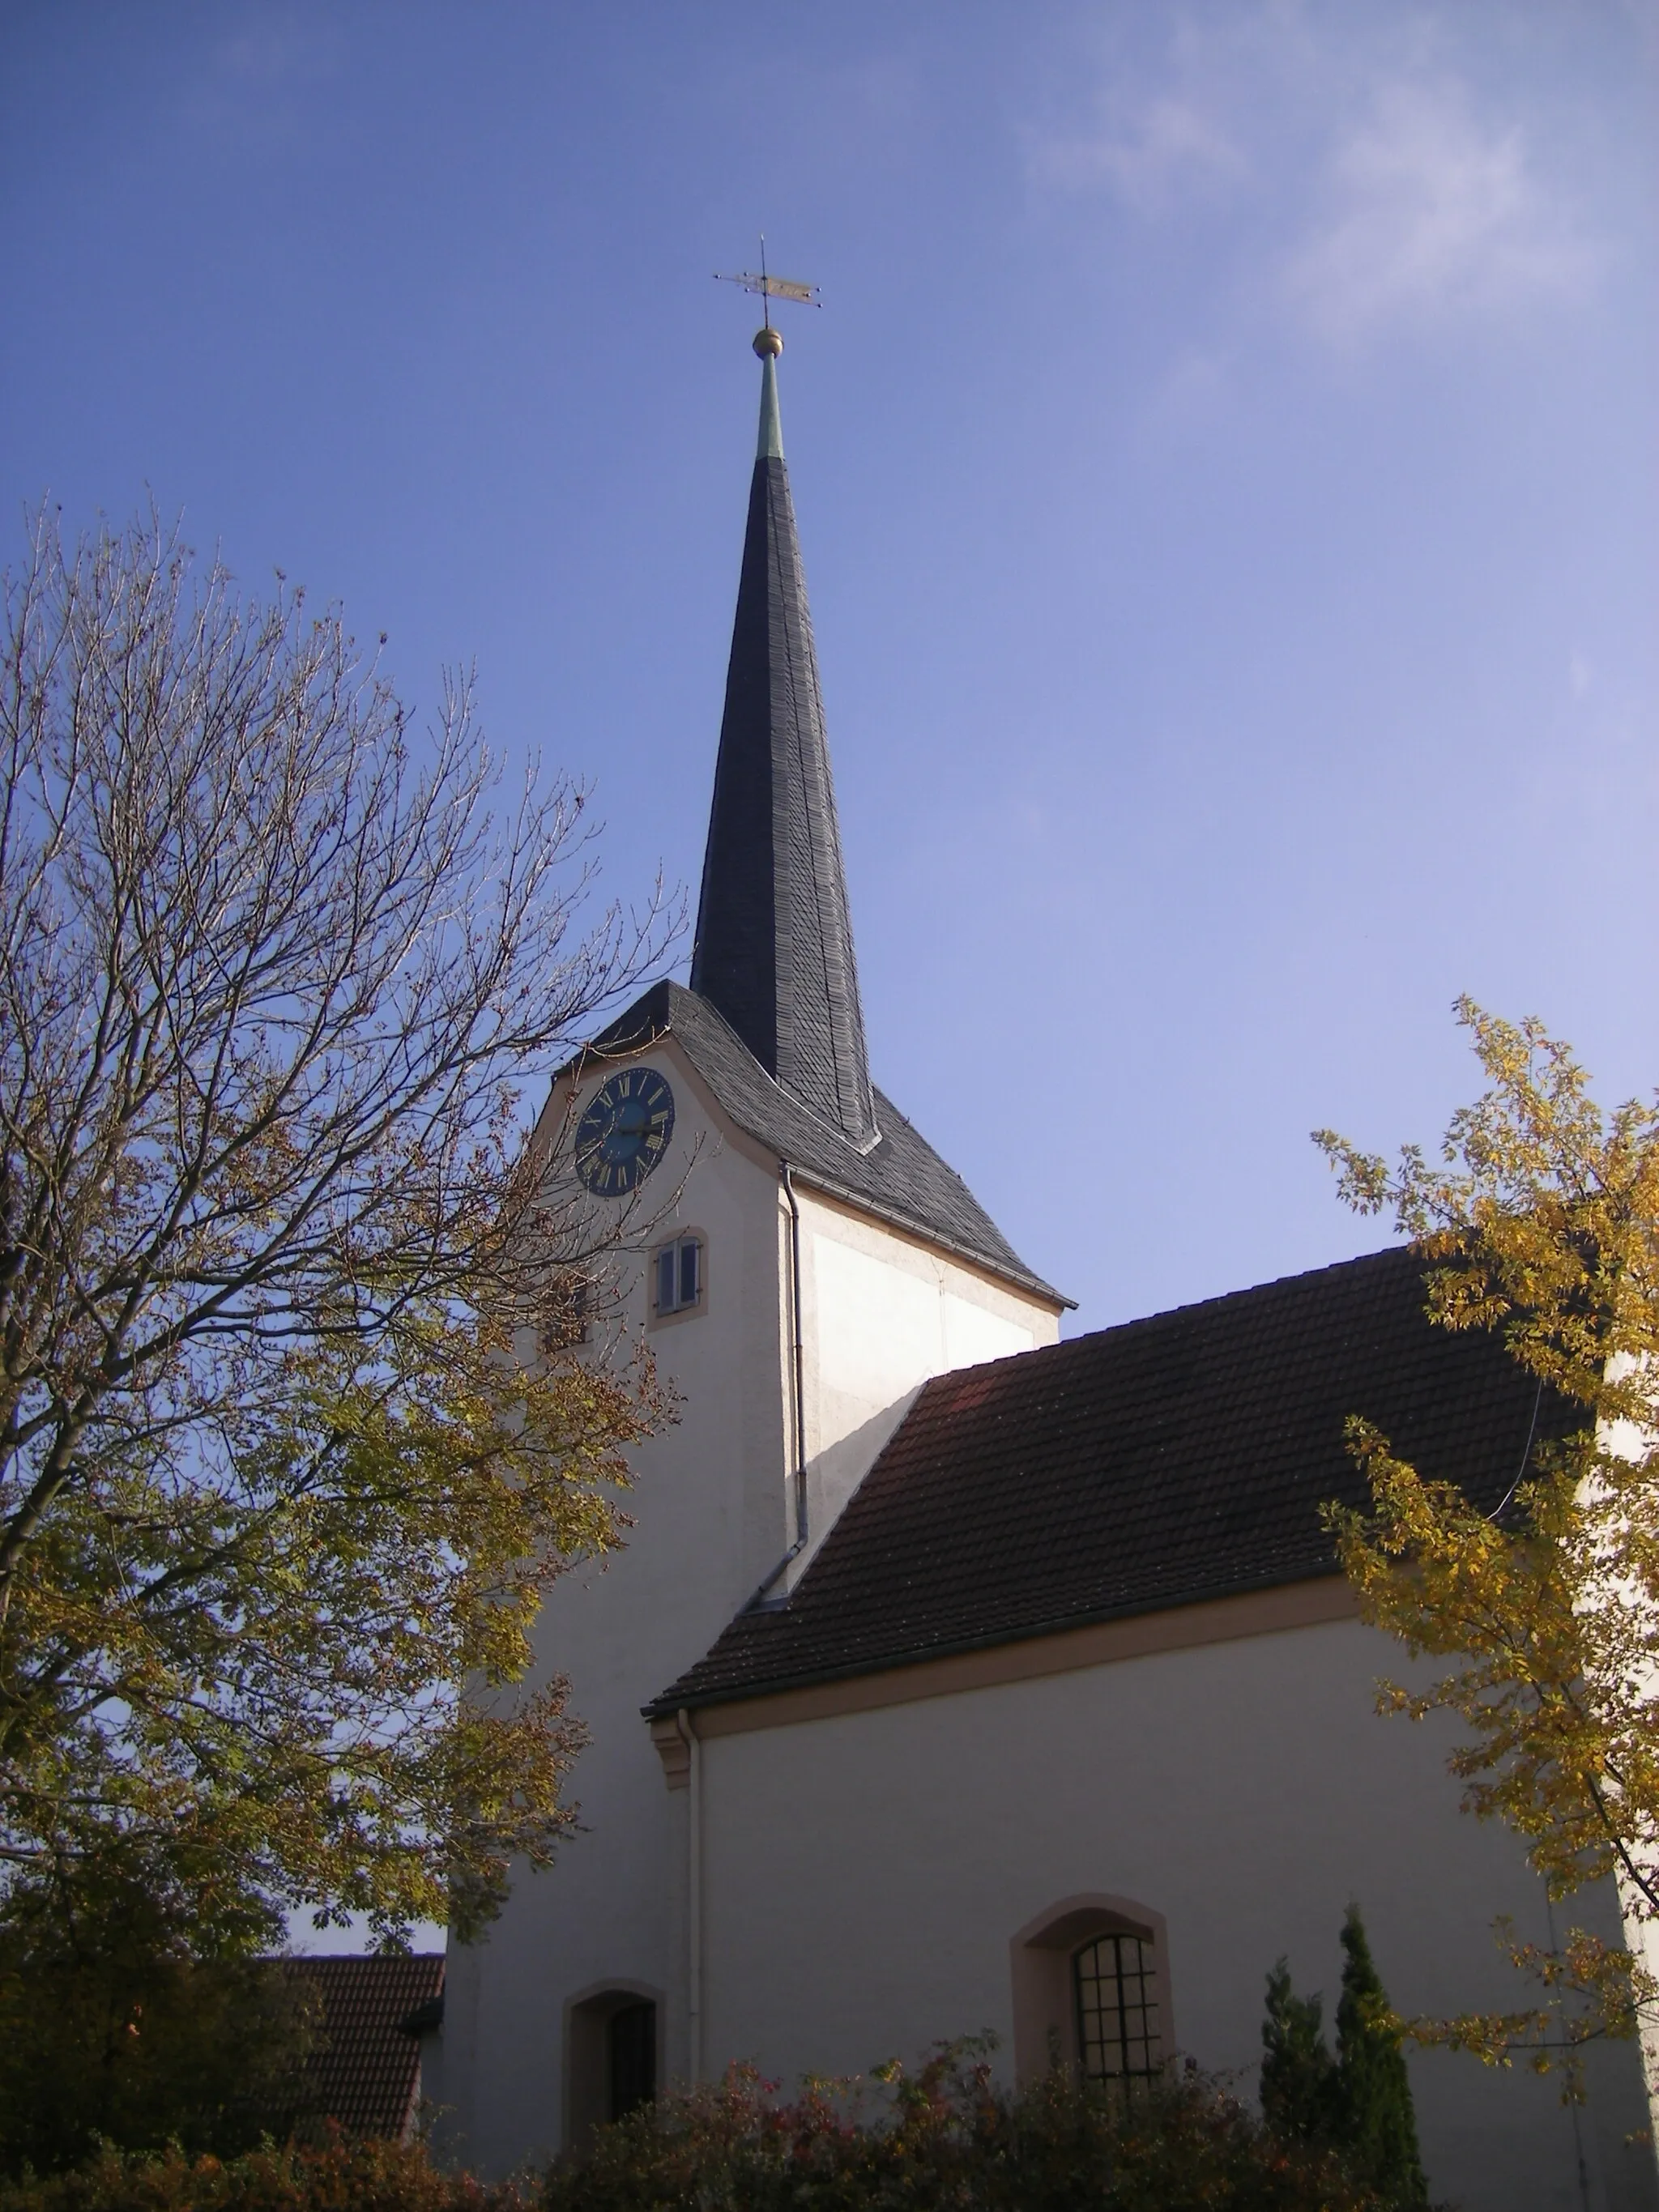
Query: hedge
point(338, 2176)
point(947, 2139)
point(942, 2139)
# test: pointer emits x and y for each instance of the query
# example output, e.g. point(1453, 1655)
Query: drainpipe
point(797, 1392)
point(688, 1735)
point(799, 1358)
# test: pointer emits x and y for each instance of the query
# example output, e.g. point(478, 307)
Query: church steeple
point(773, 947)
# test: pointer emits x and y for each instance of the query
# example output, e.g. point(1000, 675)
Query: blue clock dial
point(624, 1132)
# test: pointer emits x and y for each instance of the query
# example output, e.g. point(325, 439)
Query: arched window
point(1117, 2037)
point(1092, 1990)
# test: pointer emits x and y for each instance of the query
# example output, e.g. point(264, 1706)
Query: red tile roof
point(368, 2076)
point(1172, 1460)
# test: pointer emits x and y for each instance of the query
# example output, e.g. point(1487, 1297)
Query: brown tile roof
point(1171, 1460)
point(368, 2076)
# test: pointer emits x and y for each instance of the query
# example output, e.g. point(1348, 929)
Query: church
point(954, 1677)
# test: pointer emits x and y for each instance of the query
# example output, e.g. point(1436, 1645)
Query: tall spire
point(773, 947)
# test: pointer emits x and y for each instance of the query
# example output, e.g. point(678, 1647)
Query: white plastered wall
point(881, 1313)
point(707, 1511)
point(713, 1514)
point(1629, 1440)
point(863, 1876)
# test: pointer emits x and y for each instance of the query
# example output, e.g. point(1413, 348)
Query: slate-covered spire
point(773, 947)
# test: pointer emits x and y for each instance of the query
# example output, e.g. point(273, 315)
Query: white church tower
point(811, 1262)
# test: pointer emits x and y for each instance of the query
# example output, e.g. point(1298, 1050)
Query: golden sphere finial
point(769, 341)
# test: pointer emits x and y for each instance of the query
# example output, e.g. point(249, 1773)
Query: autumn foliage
point(290, 1436)
point(1541, 1218)
point(941, 2139)
point(946, 2136)
point(339, 2176)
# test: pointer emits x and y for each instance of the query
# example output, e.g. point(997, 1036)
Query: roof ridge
point(1244, 1290)
point(1148, 1322)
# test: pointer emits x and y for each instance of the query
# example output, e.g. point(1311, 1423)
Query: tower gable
point(897, 1178)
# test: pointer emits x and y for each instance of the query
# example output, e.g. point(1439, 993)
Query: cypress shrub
point(1379, 2125)
point(1299, 2081)
point(1359, 2104)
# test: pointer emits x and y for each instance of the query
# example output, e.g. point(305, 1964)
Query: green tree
point(291, 1435)
point(1358, 2103)
point(1378, 2126)
point(130, 2014)
point(1540, 1219)
point(1299, 2088)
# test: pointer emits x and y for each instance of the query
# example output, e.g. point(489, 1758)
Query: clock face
point(624, 1132)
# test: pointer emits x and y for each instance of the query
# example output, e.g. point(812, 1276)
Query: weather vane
point(767, 340)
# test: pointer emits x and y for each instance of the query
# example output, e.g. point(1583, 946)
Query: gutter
point(688, 1734)
point(676, 1701)
point(797, 1356)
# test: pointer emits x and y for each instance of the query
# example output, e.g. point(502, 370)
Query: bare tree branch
point(269, 969)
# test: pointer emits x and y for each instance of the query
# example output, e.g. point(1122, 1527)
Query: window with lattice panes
point(1117, 2031)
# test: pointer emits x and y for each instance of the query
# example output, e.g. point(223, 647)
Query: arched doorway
point(611, 2057)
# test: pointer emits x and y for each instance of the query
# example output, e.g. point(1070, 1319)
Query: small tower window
point(678, 1276)
point(1116, 2010)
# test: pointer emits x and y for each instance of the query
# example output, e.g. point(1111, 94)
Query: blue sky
point(1225, 463)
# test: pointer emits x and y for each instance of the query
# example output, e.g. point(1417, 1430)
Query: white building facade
point(944, 1661)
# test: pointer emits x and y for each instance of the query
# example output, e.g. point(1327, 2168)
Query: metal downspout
point(797, 1391)
point(799, 1357)
point(688, 1734)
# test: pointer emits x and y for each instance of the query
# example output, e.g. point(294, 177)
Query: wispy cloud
point(1430, 211)
point(1149, 153)
point(1375, 177)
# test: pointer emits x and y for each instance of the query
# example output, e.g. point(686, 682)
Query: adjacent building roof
point(1176, 1459)
point(368, 2075)
point(899, 1177)
point(774, 945)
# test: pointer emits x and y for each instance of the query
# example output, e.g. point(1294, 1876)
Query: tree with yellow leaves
point(277, 1481)
point(1541, 1221)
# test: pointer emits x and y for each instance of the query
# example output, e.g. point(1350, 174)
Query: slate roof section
point(368, 2077)
point(1176, 1459)
point(900, 1178)
point(774, 942)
